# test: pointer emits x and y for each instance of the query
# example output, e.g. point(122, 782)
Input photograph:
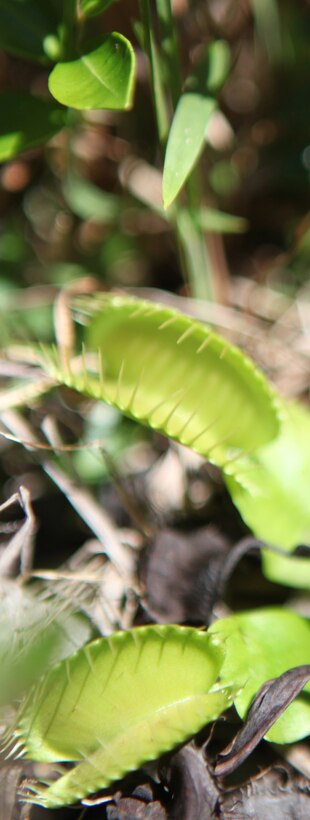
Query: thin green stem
point(193, 252)
point(194, 256)
point(158, 94)
point(200, 269)
point(69, 28)
point(170, 48)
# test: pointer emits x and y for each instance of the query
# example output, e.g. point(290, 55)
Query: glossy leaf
point(26, 121)
point(26, 24)
point(271, 491)
point(173, 374)
point(90, 8)
point(260, 645)
point(185, 142)
point(119, 702)
point(103, 78)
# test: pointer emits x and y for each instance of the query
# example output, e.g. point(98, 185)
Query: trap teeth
point(13, 752)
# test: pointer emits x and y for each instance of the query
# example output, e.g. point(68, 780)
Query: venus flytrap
point(117, 703)
point(176, 376)
point(124, 700)
point(271, 491)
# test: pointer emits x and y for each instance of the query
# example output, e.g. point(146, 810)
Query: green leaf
point(26, 121)
point(25, 24)
point(119, 702)
point(209, 219)
point(90, 202)
point(185, 143)
point(212, 69)
point(271, 491)
point(173, 374)
point(90, 8)
point(219, 65)
point(103, 78)
point(260, 645)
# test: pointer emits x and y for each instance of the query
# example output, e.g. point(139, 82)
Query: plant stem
point(69, 28)
point(159, 99)
point(193, 253)
point(200, 271)
point(170, 48)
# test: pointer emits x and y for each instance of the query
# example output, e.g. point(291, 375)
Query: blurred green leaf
point(60, 273)
point(103, 78)
point(210, 219)
point(24, 25)
point(89, 202)
point(13, 246)
point(211, 70)
point(90, 8)
point(34, 634)
point(185, 143)
point(219, 65)
point(26, 121)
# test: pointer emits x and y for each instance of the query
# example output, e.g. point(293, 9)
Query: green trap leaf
point(103, 78)
point(173, 374)
point(26, 121)
point(119, 702)
point(271, 491)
